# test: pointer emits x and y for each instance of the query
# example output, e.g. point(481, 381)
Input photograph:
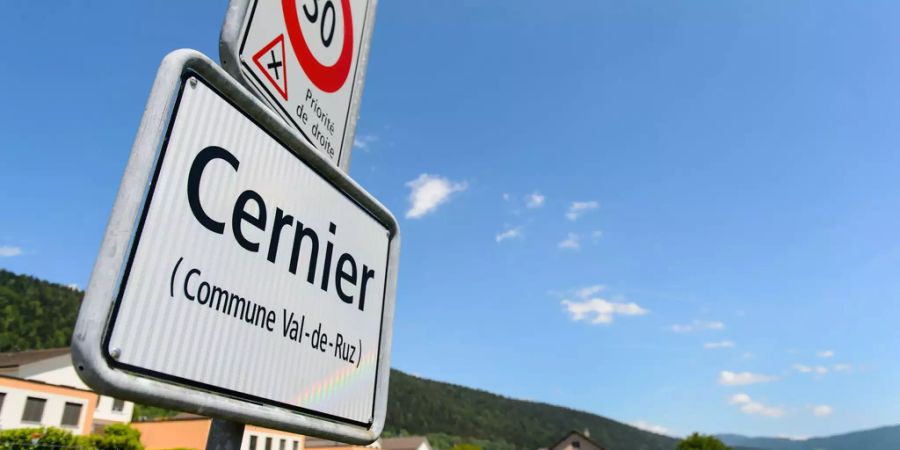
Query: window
point(71, 414)
point(118, 405)
point(268, 443)
point(576, 444)
point(282, 445)
point(3, 397)
point(34, 410)
point(296, 444)
point(252, 442)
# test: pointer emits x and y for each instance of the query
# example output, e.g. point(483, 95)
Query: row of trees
point(114, 437)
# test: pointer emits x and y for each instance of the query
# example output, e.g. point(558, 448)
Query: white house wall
point(59, 370)
point(14, 406)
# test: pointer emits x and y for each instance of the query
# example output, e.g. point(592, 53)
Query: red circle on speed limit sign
point(327, 78)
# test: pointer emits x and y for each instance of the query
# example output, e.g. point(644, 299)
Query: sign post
point(242, 274)
point(306, 60)
point(224, 435)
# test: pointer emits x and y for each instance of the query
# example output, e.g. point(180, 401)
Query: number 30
point(314, 16)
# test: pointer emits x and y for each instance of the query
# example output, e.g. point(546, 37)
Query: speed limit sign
point(306, 59)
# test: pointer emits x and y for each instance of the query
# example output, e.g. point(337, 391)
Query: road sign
point(242, 275)
point(307, 60)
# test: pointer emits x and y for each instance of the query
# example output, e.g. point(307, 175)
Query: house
point(28, 403)
point(576, 441)
point(191, 431)
point(52, 384)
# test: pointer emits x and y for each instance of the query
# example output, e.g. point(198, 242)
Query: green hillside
point(420, 406)
point(35, 314)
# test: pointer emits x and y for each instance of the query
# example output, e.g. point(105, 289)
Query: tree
point(466, 447)
point(698, 441)
point(119, 436)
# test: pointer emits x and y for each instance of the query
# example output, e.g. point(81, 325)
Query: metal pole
point(224, 435)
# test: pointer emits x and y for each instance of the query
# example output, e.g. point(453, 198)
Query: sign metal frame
point(94, 362)
point(230, 42)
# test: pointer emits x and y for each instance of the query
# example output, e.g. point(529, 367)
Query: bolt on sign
point(306, 59)
point(242, 275)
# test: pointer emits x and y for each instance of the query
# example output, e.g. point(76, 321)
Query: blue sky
point(676, 214)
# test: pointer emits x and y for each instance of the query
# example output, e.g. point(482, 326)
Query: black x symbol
point(274, 65)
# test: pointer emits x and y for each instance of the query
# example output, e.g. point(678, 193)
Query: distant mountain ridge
point(882, 438)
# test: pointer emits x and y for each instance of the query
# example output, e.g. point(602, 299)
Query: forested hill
point(35, 314)
point(420, 406)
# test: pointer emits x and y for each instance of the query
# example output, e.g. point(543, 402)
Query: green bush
point(39, 439)
point(118, 436)
point(114, 437)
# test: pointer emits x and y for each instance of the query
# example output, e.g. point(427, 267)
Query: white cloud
point(749, 406)
point(822, 410)
point(577, 209)
point(73, 287)
point(363, 142)
point(505, 196)
point(571, 242)
point(596, 235)
point(720, 344)
point(588, 291)
point(600, 311)
point(818, 370)
point(697, 325)
point(727, 378)
point(647, 426)
point(535, 200)
point(428, 192)
point(842, 367)
point(8, 251)
point(825, 354)
point(511, 233)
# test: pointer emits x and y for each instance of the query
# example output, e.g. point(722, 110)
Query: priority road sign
point(242, 275)
point(307, 60)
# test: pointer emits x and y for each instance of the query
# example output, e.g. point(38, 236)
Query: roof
point(312, 442)
point(43, 383)
point(16, 359)
point(579, 434)
point(403, 443)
